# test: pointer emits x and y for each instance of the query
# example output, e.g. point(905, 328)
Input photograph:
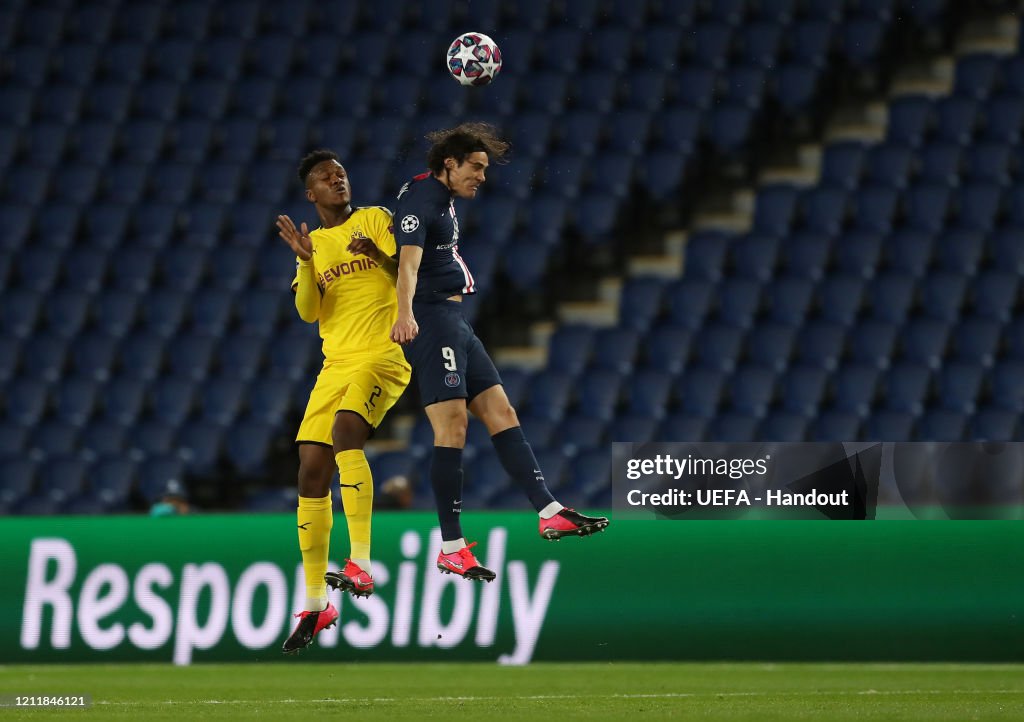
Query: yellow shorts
point(368, 388)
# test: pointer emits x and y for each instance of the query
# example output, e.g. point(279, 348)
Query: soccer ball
point(474, 59)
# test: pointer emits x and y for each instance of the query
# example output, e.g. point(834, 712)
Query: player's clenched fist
point(404, 330)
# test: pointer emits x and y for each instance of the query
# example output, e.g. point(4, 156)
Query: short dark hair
point(461, 141)
point(312, 160)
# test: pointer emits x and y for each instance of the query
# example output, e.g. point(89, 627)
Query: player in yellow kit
point(345, 279)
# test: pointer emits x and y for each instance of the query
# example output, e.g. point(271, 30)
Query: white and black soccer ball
point(474, 59)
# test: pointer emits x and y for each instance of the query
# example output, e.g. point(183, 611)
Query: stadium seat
point(805, 255)
point(885, 425)
point(788, 299)
point(801, 390)
point(991, 424)
point(640, 301)
point(101, 437)
point(719, 346)
point(906, 387)
point(839, 299)
point(924, 340)
point(1007, 389)
point(858, 252)
point(994, 293)
point(752, 389)
point(739, 301)
point(615, 349)
point(667, 348)
point(770, 345)
point(775, 209)
point(942, 425)
point(976, 339)
point(698, 391)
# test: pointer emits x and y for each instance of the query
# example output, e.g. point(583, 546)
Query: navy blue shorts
point(447, 358)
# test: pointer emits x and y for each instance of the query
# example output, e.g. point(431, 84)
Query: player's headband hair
point(307, 164)
point(463, 140)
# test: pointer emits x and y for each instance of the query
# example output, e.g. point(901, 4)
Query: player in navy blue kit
point(452, 368)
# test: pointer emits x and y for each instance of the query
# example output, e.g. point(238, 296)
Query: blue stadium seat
point(746, 85)
point(910, 119)
point(738, 302)
point(978, 205)
point(854, 388)
point(52, 437)
point(111, 480)
point(871, 342)
point(909, 252)
point(942, 425)
point(26, 185)
point(246, 448)
point(154, 474)
point(591, 469)
point(805, 255)
point(820, 344)
point(776, 206)
point(782, 426)
point(711, 45)
point(761, 42)
point(788, 299)
point(635, 429)
point(927, 206)
point(569, 349)
point(995, 293)
point(392, 463)
point(1007, 389)
point(825, 209)
point(955, 118)
point(863, 40)
point(732, 427)
point(958, 385)
point(548, 396)
point(796, 86)
point(210, 311)
point(834, 425)
point(19, 477)
point(1004, 118)
point(682, 427)
point(924, 340)
point(615, 349)
point(206, 102)
point(976, 339)
point(692, 87)
point(36, 268)
point(44, 357)
point(580, 432)
point(269, 400)
point(141, 355)
point(191, 356)
point(221, 399)
point(976, 75)
point(942, 295)
point(960, 249)
point(988, 162)
point(19, 312)
point(754, 256)
point(730, 128)
point(839, 299)
point(811, 39)
point(905, 387)
point(62, 478)
point(13, 439)
point(101, 437)
point(991, 424)
point(889, 164)
point(172, 400)
point(150, 437)
point(649, 392)
point(890, 296)
point(752, 388)
point(885, 425)
point(666, 348)
point(770, 344)
point(75, 400)
point(940, 163)
point(719, 346)
point(689, 302)
point(858, 252)
point(705, 254)
point(801, 390)
point(698, 391)
point(640, 301)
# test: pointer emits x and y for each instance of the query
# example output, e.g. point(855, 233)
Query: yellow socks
point(357, 498)
point(315, 522)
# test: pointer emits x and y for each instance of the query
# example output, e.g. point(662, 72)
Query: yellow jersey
point(358, 304)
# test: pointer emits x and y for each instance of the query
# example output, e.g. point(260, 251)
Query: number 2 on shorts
point(449, 358)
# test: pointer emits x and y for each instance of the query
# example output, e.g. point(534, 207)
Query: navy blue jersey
point(425, 217)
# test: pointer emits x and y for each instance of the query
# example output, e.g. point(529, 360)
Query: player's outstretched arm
point(307, 295)
point(406, 328)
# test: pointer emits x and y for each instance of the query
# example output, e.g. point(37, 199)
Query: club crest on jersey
point(410, 223)
point(452, 380)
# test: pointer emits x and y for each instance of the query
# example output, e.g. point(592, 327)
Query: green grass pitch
point(297, 691)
